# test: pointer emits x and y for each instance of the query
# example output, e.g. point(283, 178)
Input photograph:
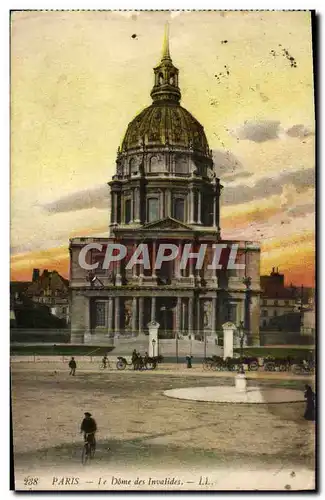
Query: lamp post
point(153, 347)
point(241, 332)
point(164, 310)
point(247, 282)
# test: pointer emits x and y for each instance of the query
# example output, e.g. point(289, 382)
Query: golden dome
point(166, 123)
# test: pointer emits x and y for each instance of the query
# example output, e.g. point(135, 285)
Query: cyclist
point(105, 360)
point(89, 428)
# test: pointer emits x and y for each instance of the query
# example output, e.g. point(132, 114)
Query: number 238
point(30, 481)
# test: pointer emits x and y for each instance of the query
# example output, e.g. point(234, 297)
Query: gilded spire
point(165, 51)
point(166, 76)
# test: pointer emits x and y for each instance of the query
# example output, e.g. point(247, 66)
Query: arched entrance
point(166, 308)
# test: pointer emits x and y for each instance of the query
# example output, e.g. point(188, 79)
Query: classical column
point(183, 322)
point(134, 314)
point(168, 204)
point(141, 304)
point(132, 206)
point(118, 279)
point(191, 268)
point(190, 316)
point(137, 205)
point(153, 260)
point(114, 208)
point(191, 207)
point(88, 325)
point(134, 268)
point(214, 314)
point(110, 316)
point(117, 314)
point(199, 207)
point(177, 261)
point(153, 308)
point(161, 204)
point(214, 210)
point(178, 314)
point(198, 316)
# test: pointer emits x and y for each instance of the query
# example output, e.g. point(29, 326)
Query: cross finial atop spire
point(165, 52)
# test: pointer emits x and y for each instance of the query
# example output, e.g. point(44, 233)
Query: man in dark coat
point(134, 359)
point(310, 403)
point(189, 361)
point(72, 366)
point(88, 427)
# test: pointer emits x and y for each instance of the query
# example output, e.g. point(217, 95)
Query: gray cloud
point(97, 197)
point(301, 210)
point(225, 162)
point(264, 188)
point(298, 131)
point(237, 175)
point(228, 167)
point(258, 131)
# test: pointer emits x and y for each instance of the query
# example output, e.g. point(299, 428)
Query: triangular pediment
point(167, 223)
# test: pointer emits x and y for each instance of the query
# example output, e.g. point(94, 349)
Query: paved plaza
point(141, 430)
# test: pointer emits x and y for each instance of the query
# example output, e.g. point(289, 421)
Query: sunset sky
point(78, 79)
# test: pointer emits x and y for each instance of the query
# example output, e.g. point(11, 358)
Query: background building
point(165, 190)
point(40, 303)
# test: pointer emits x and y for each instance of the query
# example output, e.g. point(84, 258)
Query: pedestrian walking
point(189, 361)
point(72, 366)
point(310, 403)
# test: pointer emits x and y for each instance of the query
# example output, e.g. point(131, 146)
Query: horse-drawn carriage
point(139, 363)
point(297, 364)
point(229, 364)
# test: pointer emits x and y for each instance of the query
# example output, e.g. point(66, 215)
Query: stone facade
point(165, 190)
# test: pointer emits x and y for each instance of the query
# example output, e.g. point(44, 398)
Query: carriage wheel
point(282, 368)
point(120, 365)
point(253, 366)
point(269, 366)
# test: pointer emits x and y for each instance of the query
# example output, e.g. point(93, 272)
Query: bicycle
point(89, 448)
point(104, 367)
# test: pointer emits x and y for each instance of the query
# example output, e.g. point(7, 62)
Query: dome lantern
point(166, 76)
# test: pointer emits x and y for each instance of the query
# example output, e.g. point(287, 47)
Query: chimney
point(35, 275)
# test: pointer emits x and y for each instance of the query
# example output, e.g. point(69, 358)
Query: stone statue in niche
point(207, 310)
point(127, 313)
point(193, 168)
point(119, 168)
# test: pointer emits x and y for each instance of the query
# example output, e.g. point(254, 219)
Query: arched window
point(160, 79)
point(156, 164)
point(179, 209)
point(152, 209)
point(172, 79)
point(127, 212)
point(181, 164)
point(132, 166)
